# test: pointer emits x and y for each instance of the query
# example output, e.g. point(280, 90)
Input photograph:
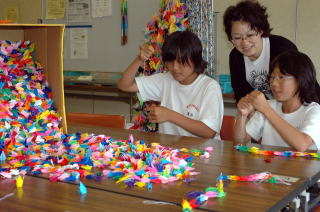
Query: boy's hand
point(158, 114)
point(145, 52)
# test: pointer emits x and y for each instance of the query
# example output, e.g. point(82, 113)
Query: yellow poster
point(55, 9)
point(11, 13)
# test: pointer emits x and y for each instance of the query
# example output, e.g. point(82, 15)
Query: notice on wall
point(101, 8)
point(11, 13)
point(79, 11)
point(55, 9)
point(79, 43)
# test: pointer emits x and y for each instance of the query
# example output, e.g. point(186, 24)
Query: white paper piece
point(79, 10)
point(152, 202)
point(101, 8)
point(79, 43)
point(286, 178)
point(85, 78)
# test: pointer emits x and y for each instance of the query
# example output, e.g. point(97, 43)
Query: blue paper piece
point(101, 147)
point(71, 178)
point(3, 156)
point(149, 186)
point(82, 188)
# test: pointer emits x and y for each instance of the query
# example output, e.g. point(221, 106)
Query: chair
point(227, 128)
point(101, 120)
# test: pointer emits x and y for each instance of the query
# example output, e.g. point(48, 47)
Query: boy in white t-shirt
point(191, 102)
point(292, 118)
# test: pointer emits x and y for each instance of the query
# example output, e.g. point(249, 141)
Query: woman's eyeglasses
point(249, 37)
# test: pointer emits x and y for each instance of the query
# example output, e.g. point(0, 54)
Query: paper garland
point(202, 21)
point(258, 177)
point(172, 16)
point(124, 22)
point(198, 198)
point(257, 151)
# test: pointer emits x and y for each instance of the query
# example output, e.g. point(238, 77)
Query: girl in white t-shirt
point(191, 102)
point(292, 118)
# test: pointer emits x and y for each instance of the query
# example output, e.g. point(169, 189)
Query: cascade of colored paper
point(257, 151)
point(32, 142)
point(172, 16)
point(27, 115)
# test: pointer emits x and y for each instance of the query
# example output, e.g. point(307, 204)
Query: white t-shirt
point(200, 100)
point(306, 119)
point(257, 71)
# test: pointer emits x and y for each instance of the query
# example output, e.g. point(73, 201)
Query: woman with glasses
point(292, 118)
point(247, 27)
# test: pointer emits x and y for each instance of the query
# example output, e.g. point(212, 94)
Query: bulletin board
point(105, 52)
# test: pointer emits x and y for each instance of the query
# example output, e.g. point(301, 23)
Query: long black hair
point(186, 47)
point(300, 66)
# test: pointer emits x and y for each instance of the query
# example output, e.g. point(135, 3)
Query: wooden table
point(224, 153)
point(39, 194)
point(241, 196)
point(225, 159)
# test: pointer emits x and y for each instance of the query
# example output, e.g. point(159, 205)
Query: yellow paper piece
point(19, 181)
point(140, 184)
point(87, 167)
point(123, 178)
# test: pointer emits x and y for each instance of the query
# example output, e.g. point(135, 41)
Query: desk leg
point(305, 197)
point(295, 205)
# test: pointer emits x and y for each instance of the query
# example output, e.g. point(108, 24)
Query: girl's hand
point(244, 107)
point(258, 101)
point(158, 114)
point(145, 52)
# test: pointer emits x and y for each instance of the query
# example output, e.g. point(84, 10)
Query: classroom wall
point(104, 41)
point(308, 30)
point(27, 14)
point(297, 20)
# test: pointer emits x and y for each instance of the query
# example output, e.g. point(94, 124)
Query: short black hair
point(247, 11)
point(300, 66)
point(186, 47)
